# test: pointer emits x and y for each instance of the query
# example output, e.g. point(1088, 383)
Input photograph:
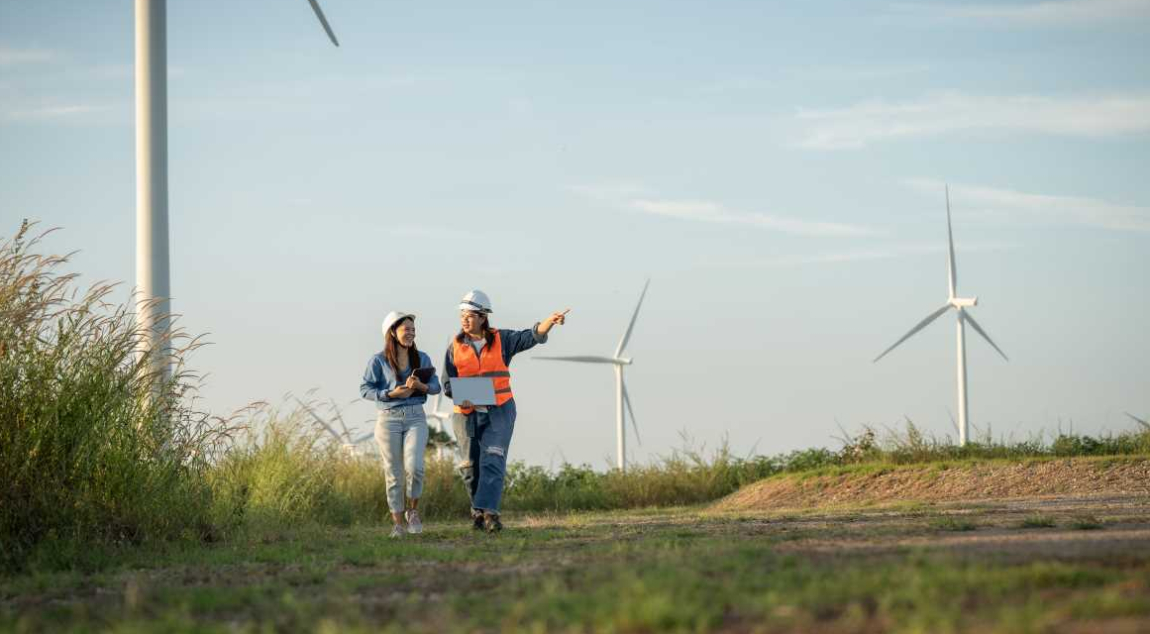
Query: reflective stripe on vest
point(488, 364)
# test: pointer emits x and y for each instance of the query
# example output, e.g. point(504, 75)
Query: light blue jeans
point(401, 433)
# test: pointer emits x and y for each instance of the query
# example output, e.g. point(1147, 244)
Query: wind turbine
point(153, 288)
point(345, 439)
point(621, 397)
point(441, 417)
point(960, 305)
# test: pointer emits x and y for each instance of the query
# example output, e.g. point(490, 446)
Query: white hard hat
point(476, 301)
point(393, 318)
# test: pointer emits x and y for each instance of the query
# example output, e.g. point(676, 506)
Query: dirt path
point(1104, 528)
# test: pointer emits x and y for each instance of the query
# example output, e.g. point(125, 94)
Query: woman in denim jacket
point(392, 383)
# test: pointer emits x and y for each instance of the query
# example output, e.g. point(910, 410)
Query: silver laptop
point(480, 390)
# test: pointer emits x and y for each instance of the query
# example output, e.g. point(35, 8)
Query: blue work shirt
point(380, 378)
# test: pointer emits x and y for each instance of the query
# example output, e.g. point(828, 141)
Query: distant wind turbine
point(621, 397)
point(153, 287)
point(959, 305)
point(440, 417)
point(345, 439)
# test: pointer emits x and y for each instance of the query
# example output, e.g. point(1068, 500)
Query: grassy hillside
point(948, 481)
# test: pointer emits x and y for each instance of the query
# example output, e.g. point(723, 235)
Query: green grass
point(1037, 521)
point(952, 524)
point(647, 571)
point(1086, 523)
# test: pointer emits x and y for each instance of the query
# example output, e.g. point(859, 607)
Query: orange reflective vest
point(490, 363)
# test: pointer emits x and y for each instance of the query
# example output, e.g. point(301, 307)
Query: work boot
point(491, 522)
point(414, 525)
point(476, 519)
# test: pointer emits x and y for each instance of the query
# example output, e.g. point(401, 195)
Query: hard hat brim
point(393, 318)
point(475, 308)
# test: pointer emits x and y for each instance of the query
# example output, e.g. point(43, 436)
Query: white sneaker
point(396, 531)
point(414, 526)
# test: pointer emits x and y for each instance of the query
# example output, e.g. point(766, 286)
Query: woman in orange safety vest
point(484, 432)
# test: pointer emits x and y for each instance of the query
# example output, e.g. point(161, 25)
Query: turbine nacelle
point(961, 302)
point(623, 361)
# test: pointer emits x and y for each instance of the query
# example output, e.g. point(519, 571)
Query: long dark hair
point(391, 348)
point(488, 332)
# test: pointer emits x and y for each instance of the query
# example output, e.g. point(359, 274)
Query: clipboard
point(480, 390)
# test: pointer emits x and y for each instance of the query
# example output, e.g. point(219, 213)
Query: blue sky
point(776, 169)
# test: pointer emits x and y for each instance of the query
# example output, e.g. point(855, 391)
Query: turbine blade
point(922, 324)
point(951, 272)
point(339, 417)
point(631, 412)
point(579, 359)
point(323, 21)
point(631, 326)
point(1138, 420)
point(364, 437)
point(321, 421)
point(982, 332)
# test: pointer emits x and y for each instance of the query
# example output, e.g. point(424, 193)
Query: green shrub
point(952, 524)
point(1086, 523)
point(1037, 521)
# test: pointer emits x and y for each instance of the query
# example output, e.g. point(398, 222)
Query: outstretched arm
point(516, 341)
point(545, 326)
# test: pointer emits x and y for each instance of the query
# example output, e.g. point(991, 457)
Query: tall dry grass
point(93, 445)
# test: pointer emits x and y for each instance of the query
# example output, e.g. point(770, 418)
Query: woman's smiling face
point(405, 332)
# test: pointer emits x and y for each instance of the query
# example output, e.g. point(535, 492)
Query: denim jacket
point(380, 378)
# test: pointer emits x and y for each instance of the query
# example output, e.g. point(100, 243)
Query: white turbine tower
point(621, 397)
point(440, 417)
point(959, 305)
point(153, 288)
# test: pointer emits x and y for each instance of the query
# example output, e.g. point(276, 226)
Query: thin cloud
point(1048, 13)
point(813, 73)
point(20, 57)
point(41, 113)
point(888, 252)
point(704, 211)
point(874, 72)
point(1012, 205)
point(870, 122)
point(637, 198)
